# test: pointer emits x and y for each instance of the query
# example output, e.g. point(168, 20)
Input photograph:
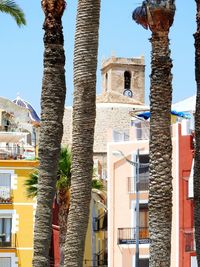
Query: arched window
point(106, 76)
point(127, 80)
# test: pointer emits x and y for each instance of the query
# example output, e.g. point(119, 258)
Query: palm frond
point(31, 184)
point(139, 15)
point(64, 167)
point(10, 7)
point(63, 183)
point(97, 184)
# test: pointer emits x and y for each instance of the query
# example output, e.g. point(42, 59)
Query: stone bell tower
point(124, 76)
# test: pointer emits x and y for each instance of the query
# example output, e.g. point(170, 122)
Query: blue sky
point(21, 66)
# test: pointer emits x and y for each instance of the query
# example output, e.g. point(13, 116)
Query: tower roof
point(32, 113)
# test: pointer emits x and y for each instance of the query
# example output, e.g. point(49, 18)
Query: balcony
point(127, 236)
point(99, 260)
point(7, 241)
point(6, 195)
point(16, 153)
point(143, 184)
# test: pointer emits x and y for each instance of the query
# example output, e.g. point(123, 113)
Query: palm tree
point(63, 193)
point(158, 17)
point(84, 113)
point(52, 109)
point(11, 8)
point(197, 137)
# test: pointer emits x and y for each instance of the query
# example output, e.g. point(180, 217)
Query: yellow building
point(16, 214)
point(96, 237)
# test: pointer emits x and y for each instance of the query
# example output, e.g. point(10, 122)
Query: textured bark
point(52, 109)
point(84, 113)
point(197, 138)
point(160, 184)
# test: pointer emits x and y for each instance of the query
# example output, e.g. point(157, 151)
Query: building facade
point(16, 214)
point(122, 199)
point(18, 147)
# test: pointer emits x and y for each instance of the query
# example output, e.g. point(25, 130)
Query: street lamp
point(137, 164)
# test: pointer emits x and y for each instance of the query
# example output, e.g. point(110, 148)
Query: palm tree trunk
point(159, 17)
point(52, 106)
point(84, 113)
point(160, 186)
point(197, 138)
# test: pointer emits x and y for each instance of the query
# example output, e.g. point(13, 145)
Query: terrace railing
point(127, 236)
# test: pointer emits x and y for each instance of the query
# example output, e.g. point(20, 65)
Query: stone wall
point(110, 118)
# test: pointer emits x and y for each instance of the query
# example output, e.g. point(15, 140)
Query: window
point(144, 170)
point(144, 262)
point(5, 262)
point(106, 76)
point(5, 186)
point(144, 173)
point(119, 136)
point(5, 232)
point(144, 221)
point(127, 80)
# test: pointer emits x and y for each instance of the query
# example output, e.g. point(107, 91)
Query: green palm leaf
point(10, 7)
point(64, 168)
point(64, 175)
point(31, 184)
point(97, 184)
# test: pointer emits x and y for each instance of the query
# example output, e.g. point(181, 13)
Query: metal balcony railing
point(100, 260)
point(143, 184)
point(13, 153)
point(127, 236)
point(7, 240)
point(6, 195)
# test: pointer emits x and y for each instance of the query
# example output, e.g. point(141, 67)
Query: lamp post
point(137, 165)
point(34, 140)
point(137, 212)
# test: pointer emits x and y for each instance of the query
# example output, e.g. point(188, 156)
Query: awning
point(146, 115)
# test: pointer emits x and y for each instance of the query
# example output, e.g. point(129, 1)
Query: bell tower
point(124, 76)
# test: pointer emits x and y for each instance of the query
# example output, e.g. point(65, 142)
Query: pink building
point(122, 200)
